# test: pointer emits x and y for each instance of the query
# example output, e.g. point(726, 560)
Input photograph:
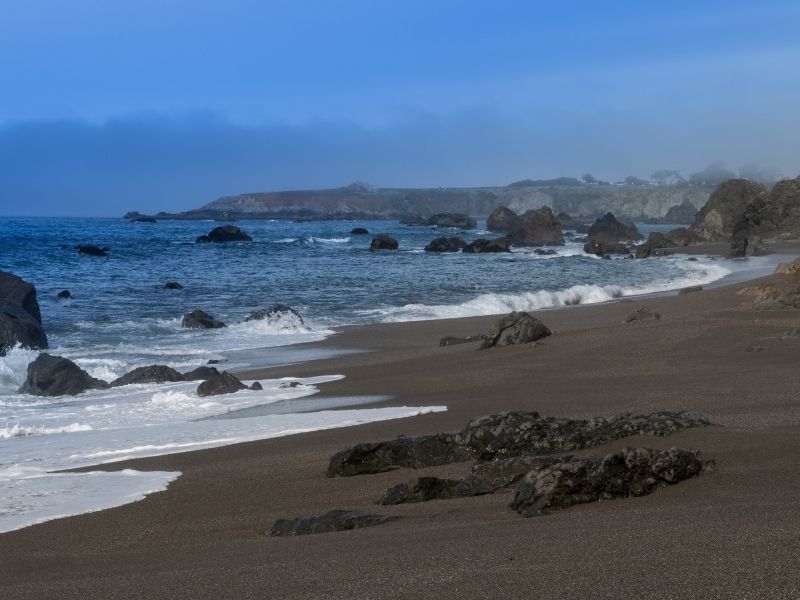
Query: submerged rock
point(622, 474)
point(446, 244)
point(359, 231)
point(225, 233)
point(383, 242)
point(481, 245)
point(515, 328)
point(57, 376)
point(199, 319)
point(20, 318)
point(151, 374)
point(173, 285)
point(335, 520)
point(64, 295)
point(220, 383)
point(92, 250)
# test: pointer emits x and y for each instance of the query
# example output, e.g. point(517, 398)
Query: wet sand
point(730, 533)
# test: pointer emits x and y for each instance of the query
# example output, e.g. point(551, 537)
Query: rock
point(151, 374)
point(445, 244)
point(64, 295)
point(20, 317)
point(215, 361)
point(456, 220)
point(739, 241)
point(548, 252)
point(422, 490)
point(608, 231)
point(789, 268)
point(359, 231)
point(256, 386)
point(450, 340)
point(568, 221)
point(539, 228)
point(92, 250)
point(143, 220)
point(277, 314)
point(685, 212)
point(413, 220)
point(173, 285)
point(682, 237)
point(754, 349)
point(505, 435)
point(605, 250)
point(383, 242)
point(790, 334)
point(480, 246)
point(56, 376)
point(225, 233)
point(515, 328)
point(335, 520)
point(199, 319)
point(622, 474)
point(643, 314)
point(504, 220)
point(772, 297)
point(289, 385)
point(690, 290)
point(654, 245)
point(200, 373)
point(221, 383)
point(714, 222)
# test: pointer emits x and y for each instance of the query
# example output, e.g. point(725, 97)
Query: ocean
point(121, 317)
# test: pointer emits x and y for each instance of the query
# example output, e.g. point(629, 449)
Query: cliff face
point(360, 201)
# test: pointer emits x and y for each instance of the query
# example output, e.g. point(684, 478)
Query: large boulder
point(481, 245)
point(625, 473)
point(200, 319)
point(685, 212)
point(221, 383)
point(503, 220)
point(515, 328)
point(539, 228)
point(608, 231)
point(456, 220)
point(335, 520)
point(277, 314)
point(20, 318)
point(150, 374)
point(715, 221)
point(384, 242)
point(57, 376)
point(225, 233)
point(446, 244)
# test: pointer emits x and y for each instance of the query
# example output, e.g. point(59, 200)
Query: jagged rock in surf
point(199, 319)
point(220, 383)
point(278, 314)
point(150, 374)
point(608, 231)
point(200, 373)
point(57, 376)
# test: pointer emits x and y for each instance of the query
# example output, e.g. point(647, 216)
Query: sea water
point(121, 317)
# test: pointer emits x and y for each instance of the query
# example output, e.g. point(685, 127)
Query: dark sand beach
point(733, 532)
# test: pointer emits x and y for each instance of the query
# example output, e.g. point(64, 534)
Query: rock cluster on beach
point(20, 317)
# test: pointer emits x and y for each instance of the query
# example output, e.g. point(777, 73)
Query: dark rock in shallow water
point(481, 246)
point(456, 220)
point(539, 228)
point(383, 242)
point(622, 474)
point(335, 520)
point(151, 374)
point(199, 319)
point(92, 250)
point(605, 250)
point(20, 318)
point(504, 435)
point(56, 376)
point(225, 233)
point(445, 244)
point(359, 231)
point(290, 384)
point(143, 220)
point(173, 285)
point(256, 386)
point(200, 373)
point(515, 328)
point(64, 295)
point(450, 340)
point(504, 220)
point(221, 383)
point(609, 231)
point(548, 252)
point(643, 314)
point(277, 314)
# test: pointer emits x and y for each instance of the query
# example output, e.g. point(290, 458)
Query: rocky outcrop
point(504, 220)
point(200, 319)
point(629, 472)
point(455, 220)
point(568, 221)
point(359, 231)
point(715, 221)
point(225, 233)
point(220, 383)
point(144, 220)
point(643, 314)
point(609, 231)
point(515, 328)
point(504, 435)
point(277, 314)
point(92, 250)
point(446, 244)
point(20, 317)
point(335, 520)
point(200, 373)
point(539, 228)
point(57, 376)
point(383, 242)
point(681, 213)
point(481, 246)
point(150, 374)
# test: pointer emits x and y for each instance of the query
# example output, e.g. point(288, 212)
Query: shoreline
point(212, 517)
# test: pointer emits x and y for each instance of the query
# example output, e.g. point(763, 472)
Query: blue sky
point(166, 105)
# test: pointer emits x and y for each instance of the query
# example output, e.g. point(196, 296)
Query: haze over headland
point(110, 107)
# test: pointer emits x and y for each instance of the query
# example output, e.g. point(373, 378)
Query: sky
point(157, 105)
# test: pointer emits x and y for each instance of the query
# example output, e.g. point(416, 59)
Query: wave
point(25, 431)
point(14, 368)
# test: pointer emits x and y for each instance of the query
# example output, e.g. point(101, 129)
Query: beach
point(732, 532)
